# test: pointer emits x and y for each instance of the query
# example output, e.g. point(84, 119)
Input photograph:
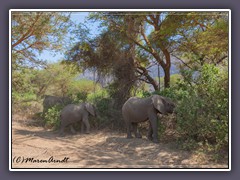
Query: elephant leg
point(82, 127)
point(85, 121)
point(153, 122)
point(150, 132)
point(129, 127)
point(135, 130)
point(72, 129)
point(61, 132)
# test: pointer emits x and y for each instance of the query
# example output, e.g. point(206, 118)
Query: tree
point(55, 79)
point(204, 41)
point(33, 32)
point(154, 35)
point(111, 56)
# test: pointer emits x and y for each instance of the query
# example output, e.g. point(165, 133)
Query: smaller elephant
point(73, 113)
point(136, 110)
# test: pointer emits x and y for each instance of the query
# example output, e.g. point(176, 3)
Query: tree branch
point(182, 61)
point(28, 33)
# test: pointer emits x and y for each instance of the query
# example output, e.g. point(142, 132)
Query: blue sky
point(76, 17)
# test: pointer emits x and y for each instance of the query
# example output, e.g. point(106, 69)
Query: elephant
point(50, 101)
point(136, 110)
point(74, 113)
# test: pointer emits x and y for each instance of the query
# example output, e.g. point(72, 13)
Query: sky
point(76, 17)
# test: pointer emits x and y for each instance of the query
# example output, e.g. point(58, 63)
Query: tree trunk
point(166, 68)
point(149, 79)
point(166, 77)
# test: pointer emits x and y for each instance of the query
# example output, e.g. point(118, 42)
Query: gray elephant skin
point(50, 101)
point(73, 113)
point(136, 110)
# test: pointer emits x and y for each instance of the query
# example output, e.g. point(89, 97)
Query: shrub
point(25, 104)
point(202, 110)
point(108, 116)
point(79, 97)
point(94, 97)
point(52, 117)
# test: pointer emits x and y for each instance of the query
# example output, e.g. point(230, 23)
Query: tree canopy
point(34, 32)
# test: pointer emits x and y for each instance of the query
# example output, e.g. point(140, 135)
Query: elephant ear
point(90, 109)
point(159, 104)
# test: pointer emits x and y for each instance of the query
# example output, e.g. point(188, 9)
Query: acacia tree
point(155, 37)
point(55, 79)
point(159, 35)
point(154, 32)
point(111, 56)
point(33, 32)
point(206, 40)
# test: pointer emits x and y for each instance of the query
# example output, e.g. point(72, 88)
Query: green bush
point(79, 97)
point(202, 109)
point(25, 104)
point(52, 117)
point(101, 101)
point(80, 89)
point(95, 96)
point(107, 115)
point(143, 94)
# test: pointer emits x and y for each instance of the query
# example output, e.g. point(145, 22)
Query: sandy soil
point(36, 147)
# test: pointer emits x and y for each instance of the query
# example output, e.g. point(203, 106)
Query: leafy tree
point(111, 57)
point(55, 79)
point(205, 40)
point(152, 35)
point(33, 32)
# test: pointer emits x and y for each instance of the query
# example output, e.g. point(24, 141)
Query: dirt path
point(96, 150)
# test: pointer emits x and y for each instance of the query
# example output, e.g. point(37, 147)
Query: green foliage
point(202, 108)
point(79, 96)
point(202, 111)
point(102, 101)
point(22, 80)
point(107, 115)
point(206, 41)
point(25, 103)
point(143, 94)
point(23, 97)
point(79, 89)
point(174, 78)
point(95, 96)
point(33, 32)
point(52, 117)
point(55, 79)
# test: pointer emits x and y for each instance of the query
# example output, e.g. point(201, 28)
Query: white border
point(92, 10)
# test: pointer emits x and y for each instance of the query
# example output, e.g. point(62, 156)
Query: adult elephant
point(73, 113)
point(50, 101)
point(136, 110)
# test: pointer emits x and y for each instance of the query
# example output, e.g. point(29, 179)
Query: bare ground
point(100, 149)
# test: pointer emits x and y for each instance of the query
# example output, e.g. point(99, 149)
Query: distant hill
point(153, 72)
point(173, 70)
